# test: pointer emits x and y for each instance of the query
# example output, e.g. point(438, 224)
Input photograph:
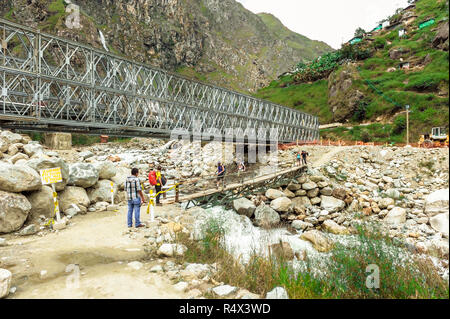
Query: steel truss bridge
point(52, 84)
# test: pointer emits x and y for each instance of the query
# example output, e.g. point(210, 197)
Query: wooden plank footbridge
point(204, 193)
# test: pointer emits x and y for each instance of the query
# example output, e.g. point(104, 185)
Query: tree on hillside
point(360, 32)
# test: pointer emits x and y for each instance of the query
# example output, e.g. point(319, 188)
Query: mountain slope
point(215, 41)
point(372, 81)
point(309, 49)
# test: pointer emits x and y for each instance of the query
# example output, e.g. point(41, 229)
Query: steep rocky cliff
point(217, 41)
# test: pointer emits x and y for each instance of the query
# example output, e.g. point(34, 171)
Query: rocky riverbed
point(404, 190)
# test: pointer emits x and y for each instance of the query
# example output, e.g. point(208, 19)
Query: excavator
point(437, 138)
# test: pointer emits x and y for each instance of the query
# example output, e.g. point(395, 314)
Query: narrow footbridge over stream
point(51, 84)
point(203, 192)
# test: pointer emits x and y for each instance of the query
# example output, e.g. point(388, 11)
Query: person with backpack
point(304, 155)
point(160, 182)
point(220, 174)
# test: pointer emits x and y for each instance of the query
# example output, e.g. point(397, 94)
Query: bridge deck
point(231, 187)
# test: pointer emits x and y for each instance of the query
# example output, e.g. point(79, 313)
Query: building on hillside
point(409, 8)
point(401, 33)
point(404, 65)
point(409, 19)
point(394, 26)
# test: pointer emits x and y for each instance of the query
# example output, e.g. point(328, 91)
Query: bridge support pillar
point(58, 141)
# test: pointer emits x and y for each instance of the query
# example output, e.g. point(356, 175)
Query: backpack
point(152, 178)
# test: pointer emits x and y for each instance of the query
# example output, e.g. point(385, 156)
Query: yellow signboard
point(51, 175)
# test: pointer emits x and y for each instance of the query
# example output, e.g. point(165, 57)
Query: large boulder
point(18, 178)
point(333, 227)
point(266, 216)
point(281, 204)
point(41, 203)
point(437, 202)
point(101, 192)
point(396, 216)
point(319, 242)
point(74, 195)
point(121, 175)
point(331, 204)
point(300, 204)
point(14, 209)
point(282, 251)
point(12, 138)
point(309, 186)
point(32, 149)
point(339, 193)
point(440, 223)
point(243, 206)
point(343, 97)
point(83, 175)
point(46, 162)
point(274, 194)
point(5, 282)
point(106, 169)
point(3, 145)
point(277, 293)
point(385, 202)
point(441, 39)
point(393, 193)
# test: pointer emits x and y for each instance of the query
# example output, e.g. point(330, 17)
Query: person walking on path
point(299, 159)
point(220, 174)
point(135, 198)
point(159, 185)
point(304, 155)
point(241, 168)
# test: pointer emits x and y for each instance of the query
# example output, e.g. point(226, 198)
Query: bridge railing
point(58, 81)
point(203, 184)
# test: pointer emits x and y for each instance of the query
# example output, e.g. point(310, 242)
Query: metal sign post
point(112, 193)
point(407, 124)
point(52, 176)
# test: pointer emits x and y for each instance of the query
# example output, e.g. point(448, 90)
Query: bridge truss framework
point(48, 82)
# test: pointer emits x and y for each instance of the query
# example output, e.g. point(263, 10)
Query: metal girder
point(53, 80)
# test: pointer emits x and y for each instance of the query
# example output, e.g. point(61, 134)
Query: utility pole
point(407, 125)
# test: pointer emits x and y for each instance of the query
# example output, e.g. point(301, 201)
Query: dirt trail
point(328, 154)
point(100, 244)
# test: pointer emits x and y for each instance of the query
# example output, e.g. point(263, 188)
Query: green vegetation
point(58, 12)
point(387, 87)
point(80, 139)
point(304, 97)
point(345, 275)
point(309, 48)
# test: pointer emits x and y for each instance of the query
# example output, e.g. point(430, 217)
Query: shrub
point(399, 125)
point(365, 136)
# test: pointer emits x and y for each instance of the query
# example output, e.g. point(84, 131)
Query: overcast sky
point(331, 21)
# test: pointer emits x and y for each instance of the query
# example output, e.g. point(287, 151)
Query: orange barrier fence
point(354, 143)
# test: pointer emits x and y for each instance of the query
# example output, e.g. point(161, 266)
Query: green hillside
point(371, 81)
point(309, 49)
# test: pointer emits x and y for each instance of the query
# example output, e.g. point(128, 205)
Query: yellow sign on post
point(52, 176)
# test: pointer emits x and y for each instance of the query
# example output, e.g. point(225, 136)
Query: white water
point(243, 240)
point(102, 40)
